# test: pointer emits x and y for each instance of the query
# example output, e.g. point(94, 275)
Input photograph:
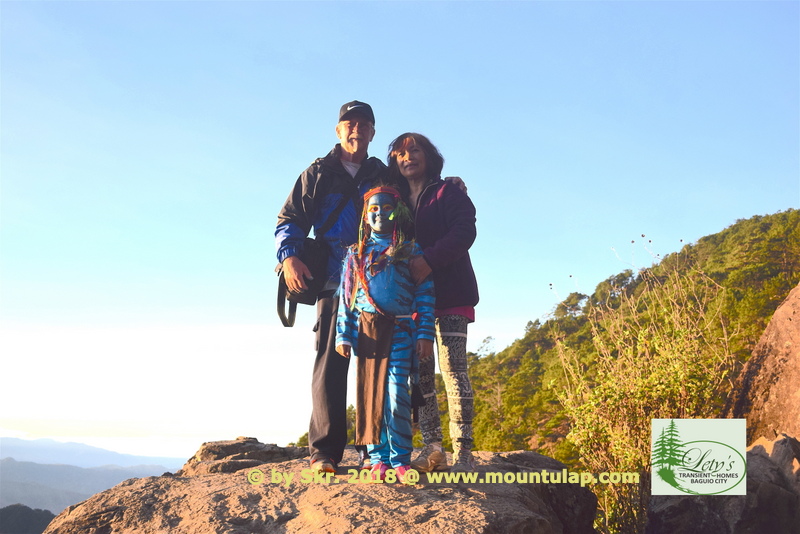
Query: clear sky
point(148, 146)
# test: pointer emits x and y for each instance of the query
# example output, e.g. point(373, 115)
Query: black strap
point(288, 320)
point(334, 215)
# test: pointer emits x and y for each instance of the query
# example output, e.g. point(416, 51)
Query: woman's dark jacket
point(445, 229)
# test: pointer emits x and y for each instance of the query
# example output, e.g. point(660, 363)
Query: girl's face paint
point(380, 213)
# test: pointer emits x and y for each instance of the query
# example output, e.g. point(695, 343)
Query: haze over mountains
point(48, 451)
point(50, 475)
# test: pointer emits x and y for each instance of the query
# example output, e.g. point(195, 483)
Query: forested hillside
point(665, 342)
point(752, 266)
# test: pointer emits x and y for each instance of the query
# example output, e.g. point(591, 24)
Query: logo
point(699, 457)
point(354, 107)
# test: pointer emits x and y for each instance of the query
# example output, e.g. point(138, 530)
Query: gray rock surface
point(771, 506)
point(769, 385)
point(234, 455)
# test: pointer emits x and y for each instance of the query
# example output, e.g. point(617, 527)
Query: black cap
point(356, 107)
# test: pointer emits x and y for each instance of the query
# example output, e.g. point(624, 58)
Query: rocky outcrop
point(772, 503)
point(235, 455)
point(230, 487)
point(769, 385)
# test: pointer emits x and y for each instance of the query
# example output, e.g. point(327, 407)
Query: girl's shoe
point(378, 471)
point(402, 474)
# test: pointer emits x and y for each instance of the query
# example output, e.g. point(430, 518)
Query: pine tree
point(668, 449)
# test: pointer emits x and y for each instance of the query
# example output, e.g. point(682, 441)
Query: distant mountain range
point(48, 451)
point(51, 476)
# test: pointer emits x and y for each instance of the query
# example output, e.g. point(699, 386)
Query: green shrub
point(661, 351)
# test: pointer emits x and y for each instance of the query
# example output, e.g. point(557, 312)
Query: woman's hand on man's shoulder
point(458, 182)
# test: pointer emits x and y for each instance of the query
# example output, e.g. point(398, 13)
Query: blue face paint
point(380, 213)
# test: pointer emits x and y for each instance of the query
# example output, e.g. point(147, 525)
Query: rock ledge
point(212, 494)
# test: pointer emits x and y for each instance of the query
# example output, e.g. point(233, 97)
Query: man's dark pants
point(327, 434)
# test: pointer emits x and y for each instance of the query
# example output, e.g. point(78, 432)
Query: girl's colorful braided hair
point(398, 249)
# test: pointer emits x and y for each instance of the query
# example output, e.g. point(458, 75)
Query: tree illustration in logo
point(668, 453)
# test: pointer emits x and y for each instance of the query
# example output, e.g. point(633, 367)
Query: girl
point(379, 298)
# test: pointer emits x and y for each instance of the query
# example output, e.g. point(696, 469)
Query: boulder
point(234, 455)
point(221, 490)
point(768, 389)
point(772, 503)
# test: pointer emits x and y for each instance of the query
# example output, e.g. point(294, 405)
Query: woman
point(444, 218)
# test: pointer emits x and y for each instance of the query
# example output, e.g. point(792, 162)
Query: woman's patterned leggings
point(451, 341)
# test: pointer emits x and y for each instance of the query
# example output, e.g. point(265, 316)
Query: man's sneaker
point(403, 476)
point(322, 465)
point(378, 471)
point(463, 462)
point(432, 458)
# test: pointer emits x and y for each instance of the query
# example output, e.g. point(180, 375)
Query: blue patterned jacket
point(315, 195)
point(393, 291)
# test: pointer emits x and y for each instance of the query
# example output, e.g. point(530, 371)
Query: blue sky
point(148, 146)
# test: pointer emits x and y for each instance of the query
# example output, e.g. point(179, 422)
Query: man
point(346, 171)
